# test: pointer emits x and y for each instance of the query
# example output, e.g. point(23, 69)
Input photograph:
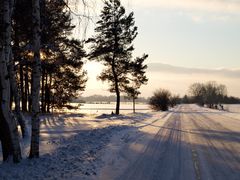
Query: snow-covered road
point(190, 142)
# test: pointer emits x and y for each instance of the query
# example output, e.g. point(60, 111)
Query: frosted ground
point(108, 108)
point(232, 108)
point(99, 146)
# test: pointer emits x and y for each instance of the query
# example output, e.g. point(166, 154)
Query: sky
point(190, 34)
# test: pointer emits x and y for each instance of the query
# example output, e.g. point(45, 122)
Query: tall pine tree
point(113, 46)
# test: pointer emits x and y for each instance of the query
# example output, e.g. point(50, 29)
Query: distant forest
point(183, 100)
point(226, 100)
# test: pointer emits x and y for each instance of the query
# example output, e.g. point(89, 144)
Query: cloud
point(227, 73)
point(178, 79)
point(217, 6)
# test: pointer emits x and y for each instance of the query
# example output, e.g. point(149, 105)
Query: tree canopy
point(210, 93)
point(112, 45)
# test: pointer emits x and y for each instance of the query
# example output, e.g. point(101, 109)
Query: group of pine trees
point(61, 57)
point(41, 67)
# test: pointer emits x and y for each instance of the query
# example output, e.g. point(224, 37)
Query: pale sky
point(184, 33)
point(191, 33)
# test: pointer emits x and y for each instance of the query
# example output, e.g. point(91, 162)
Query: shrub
point(160, 100)
point(174, 100)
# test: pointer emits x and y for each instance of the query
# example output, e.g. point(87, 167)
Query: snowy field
point(187, 142)
point(232, 107)
point(128, 108)
point(125, 108)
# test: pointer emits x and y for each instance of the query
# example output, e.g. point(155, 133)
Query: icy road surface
point(186, 143)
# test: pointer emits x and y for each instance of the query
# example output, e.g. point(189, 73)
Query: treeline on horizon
point(209, 94)
point(186, 99)
point(106, 99)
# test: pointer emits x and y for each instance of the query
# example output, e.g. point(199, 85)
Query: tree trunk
point(43, 92)
point(15, 93)
point(28, 97)
point(11, 97)
point(134, 110)
point(48, 94)
point(5, 139)
point(24, 103)
point(116, 90)
point(118, 100)
point(12, 146)
point(36, 77)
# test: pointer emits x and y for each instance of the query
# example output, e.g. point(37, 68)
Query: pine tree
point(137, 78)
point(63, 76)
point(112, 46)
point(22, 35)
point(61, 56)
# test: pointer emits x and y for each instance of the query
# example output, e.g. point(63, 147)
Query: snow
point(73, 157)
point(101, 108)
point(71, 146)
point(103, 146)
point(232, 107)
point(187, 142)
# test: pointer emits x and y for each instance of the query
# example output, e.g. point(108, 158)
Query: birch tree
point(36, 76)
point(9, 135)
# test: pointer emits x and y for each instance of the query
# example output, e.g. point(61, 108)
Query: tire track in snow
point(218, 160)
point(164, 157)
